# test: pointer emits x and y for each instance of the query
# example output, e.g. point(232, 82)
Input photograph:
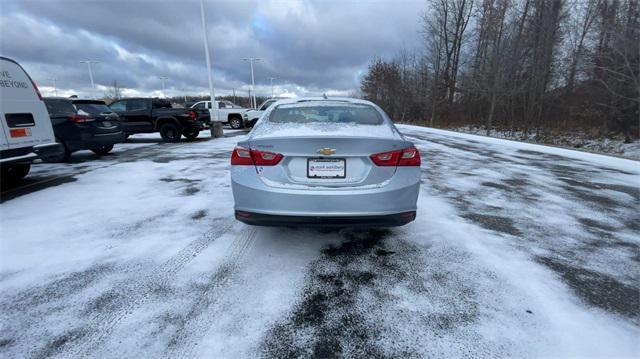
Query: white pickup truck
point(228, 112)
point(252, 116)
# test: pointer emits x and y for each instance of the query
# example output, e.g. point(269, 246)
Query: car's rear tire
point(102, 150)
point(235, 123)
point(191, 135)
point(14, 172)
point(170, 132)
point(63, 156)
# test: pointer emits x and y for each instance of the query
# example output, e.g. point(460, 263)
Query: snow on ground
point(518, 250)
point(580, 141)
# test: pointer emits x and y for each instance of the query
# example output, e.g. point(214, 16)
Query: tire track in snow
point(184, 342)
point(131, 293)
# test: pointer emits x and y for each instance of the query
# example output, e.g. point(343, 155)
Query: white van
point(26, 133)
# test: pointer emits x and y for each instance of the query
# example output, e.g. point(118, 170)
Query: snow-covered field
point(518, 251)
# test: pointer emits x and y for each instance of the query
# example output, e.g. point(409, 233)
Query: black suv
point(144, 115)
point(83, 125)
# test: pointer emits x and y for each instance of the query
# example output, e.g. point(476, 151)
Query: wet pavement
point(517, 251)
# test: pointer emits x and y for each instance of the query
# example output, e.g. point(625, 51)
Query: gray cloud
point(310, 46)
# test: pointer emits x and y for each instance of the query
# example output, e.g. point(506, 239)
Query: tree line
point(537, 66)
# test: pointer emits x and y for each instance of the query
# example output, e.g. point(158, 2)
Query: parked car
point(83, 125)
point(146, 115)
point(228, 112)
point(25, 125)
point(329, 162)
point(252, 116)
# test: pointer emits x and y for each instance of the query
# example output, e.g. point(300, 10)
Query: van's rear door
point(23, 115)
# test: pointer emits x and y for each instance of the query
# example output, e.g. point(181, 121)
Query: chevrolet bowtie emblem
point(326, 151)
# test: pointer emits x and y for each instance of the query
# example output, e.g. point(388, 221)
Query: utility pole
point(55, 88)
point(162, 78)
point(234, 95)
point(216, 126)
point(271, 83)
point(253, 82)
point(93, 86)
point(184, 93)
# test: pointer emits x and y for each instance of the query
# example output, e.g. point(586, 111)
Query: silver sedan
point(325, 161)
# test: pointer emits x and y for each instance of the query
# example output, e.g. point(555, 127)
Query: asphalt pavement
point(518, 251)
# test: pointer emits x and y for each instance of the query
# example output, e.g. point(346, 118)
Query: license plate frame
point(315, 161)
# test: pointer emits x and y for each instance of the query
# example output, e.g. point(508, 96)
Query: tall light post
point(93, 85)
point(216, 127)
point(55, 88)
point(253, 82)
point(162, 78)
point(271, 84)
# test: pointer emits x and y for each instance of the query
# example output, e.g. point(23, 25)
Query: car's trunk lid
point(326, 161)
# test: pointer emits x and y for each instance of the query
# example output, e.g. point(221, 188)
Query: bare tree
point(584, 14)
point(521, 64)
point(114, 92)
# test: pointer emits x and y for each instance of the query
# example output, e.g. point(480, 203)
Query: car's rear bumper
point(29, 154)
point(397, 195)
point(389, 220)
point(89, 140)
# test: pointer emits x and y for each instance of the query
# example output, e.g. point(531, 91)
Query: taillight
point(410, 157)
point(35, 87)
point(241, 157)
point(386, 158)
point(265, 158)
point(81, 118)
point(193, 115)
point(245, 157)
point(407, 157)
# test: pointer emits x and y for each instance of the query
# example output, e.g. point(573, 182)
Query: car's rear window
point(93, 108)
point(55, 106)
point(326, 113)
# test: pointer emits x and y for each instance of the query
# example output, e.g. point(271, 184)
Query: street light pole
point(93, 86)
point(216, 127)
point(271, 83)
point(162, 78)
point(253, 82)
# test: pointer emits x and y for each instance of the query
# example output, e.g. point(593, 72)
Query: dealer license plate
point(326, 167)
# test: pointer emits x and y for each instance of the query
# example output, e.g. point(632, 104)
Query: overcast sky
point(311, 47)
